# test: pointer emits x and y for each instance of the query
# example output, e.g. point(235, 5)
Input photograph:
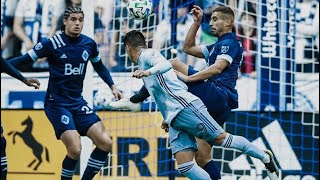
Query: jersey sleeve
point(95, 54)
point(157, 63)
point(40, 50)
point(206, 50)
point(228, 50)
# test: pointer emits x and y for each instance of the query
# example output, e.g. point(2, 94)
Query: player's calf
point(188, 168)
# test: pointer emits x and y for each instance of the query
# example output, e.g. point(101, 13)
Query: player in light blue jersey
point(6, 67)
point(185, 114)
point(68, 54)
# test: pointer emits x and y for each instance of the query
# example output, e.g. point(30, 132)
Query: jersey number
point(86, 109)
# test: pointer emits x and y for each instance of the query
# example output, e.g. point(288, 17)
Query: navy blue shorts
point(212, 96)
point(80, 117)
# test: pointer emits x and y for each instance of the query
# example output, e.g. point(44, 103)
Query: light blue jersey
point(169, 93)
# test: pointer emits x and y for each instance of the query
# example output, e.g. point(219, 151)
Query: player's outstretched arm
point(103, 72)
point(17, 62)
point(6, 67)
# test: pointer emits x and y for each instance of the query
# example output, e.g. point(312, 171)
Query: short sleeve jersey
point(68, 58)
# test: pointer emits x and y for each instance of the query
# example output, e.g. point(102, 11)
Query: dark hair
point(68, 11)
point(225, 10)
point(134, 38)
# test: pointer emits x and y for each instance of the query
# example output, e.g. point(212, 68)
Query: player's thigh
point(71, 139)
point(196, 121)
point(181, 141)
point(60, 118)
point(100, 137)
point(84, 118)
point(179, 66)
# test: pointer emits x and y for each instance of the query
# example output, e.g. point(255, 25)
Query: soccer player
point(6, 67)
point(68, 54)
point(185, 114)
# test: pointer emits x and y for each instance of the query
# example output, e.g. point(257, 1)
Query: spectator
point(248, 34)
point(9, 42)
point(32, 23)
point(307, 39)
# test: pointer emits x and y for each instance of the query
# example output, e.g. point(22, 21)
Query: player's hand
point(140, 74)
point(197, 13)
point(32, 83)
point(165, 126)
point(181, 76)
point(116, 92)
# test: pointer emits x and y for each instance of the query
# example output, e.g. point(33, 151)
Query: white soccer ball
point(139, 9)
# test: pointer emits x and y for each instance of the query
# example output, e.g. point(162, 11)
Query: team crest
point(38, 46)
point(85, 55)
point(65, 119)
point(224, 49)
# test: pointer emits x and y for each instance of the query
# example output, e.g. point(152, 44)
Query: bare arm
point(190, 46)
point(213, 70)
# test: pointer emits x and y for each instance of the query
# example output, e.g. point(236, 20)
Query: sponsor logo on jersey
point(63, 56)
point(71, 70)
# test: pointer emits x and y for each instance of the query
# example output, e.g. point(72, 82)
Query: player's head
point(73, 21)
point(133, 42)
point(222, 19)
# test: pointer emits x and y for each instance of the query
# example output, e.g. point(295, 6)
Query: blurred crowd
point(26, 22)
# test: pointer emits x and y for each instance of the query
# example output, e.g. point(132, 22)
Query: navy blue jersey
point(229, 48)
point(68, 58)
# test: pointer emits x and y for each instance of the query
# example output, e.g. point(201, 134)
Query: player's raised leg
point(103, 142)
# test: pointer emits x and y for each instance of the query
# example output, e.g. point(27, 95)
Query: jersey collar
point(229, 35)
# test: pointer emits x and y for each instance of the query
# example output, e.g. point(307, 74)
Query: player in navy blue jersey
point(68, 54)
point(6, 67)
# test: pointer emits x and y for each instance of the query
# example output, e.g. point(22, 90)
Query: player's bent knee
point(202, 158)
point(220, 138)
point(74, 152)
point(106, 144)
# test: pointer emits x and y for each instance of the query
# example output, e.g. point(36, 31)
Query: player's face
point(129, 52)
point(74, 24)
point(217, 24)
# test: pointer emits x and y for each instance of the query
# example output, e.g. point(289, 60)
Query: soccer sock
point(95, 163)
point(212, 170)
point(193, 171)
point(242, 144)
point(68, 166)
point(3, 159)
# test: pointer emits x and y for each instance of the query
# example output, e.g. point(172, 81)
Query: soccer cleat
point(271, 166)
point(125, 104)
